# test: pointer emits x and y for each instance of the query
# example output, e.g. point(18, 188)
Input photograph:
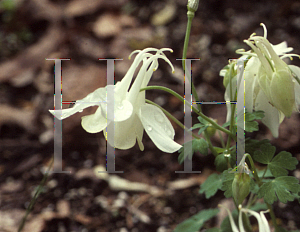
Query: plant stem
point(273, 217)
point(259, 182)
point(216, 125)
point(34, 198)
point(190, 16)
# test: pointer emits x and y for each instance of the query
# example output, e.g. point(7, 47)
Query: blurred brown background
point(85, 30)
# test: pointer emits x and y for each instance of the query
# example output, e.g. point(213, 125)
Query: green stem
point(190, 16)
point(232, 106)
point(273, 217)
point(246, 223)
point(213, 123)
point(221, 138)
point(178, 96)
point(35, 197)
point(250, 201)
point(253, 169)
point(259, 182)
point(264, 173)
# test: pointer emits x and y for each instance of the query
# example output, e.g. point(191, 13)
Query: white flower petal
point(139, 130)
point(94, 123)
point(223, 72)
point(159, 128)
point(265, 221)
point(232, 223)
point(282, 92)
point(241, 224)
point(261, 225)
point(282, 48)
point(296, 70)
point(251, 82)
point(125, 132)
point(272, 115)
point(122, 108)
point(91, 99)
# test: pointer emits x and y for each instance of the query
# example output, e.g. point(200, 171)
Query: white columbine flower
point(131, 114)
point(263, 224)
point(270, 85)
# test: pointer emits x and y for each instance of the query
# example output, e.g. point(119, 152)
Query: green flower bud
point(210, 130)
point(240, 187)
point(193, 5)
point(241, 181)
point(229, 72)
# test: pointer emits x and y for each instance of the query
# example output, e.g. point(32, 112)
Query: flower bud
point(240, 187)
point(210, 130)
point(228, 72)
point(193, 5)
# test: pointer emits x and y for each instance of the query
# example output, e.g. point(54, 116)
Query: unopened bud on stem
point(193, 5)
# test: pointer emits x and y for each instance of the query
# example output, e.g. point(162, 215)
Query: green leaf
point(259, 114)
point(267, 174)
point(226, 124)
point(202, 125)
point(249, 117)
point(265, 154)
point(279, 163)
point(281, 229)
point(215, 229)
point(203, 121)
point(251, 145)
point(219, 149)
point(259, 206)
point(211, 185)
point(251, 126)
point(280, 188)
point(227, 179)
point(196, 222)
point(197, 145)
point(200, 145)
point(197, 126)
point(253, 186)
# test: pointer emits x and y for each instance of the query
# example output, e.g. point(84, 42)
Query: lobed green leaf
point(281, 188)
point(196, 222)
point(211, 185)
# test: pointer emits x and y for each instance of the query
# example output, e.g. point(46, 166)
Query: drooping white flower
point(270, 85)
point(263, 224)
point(131, 114)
